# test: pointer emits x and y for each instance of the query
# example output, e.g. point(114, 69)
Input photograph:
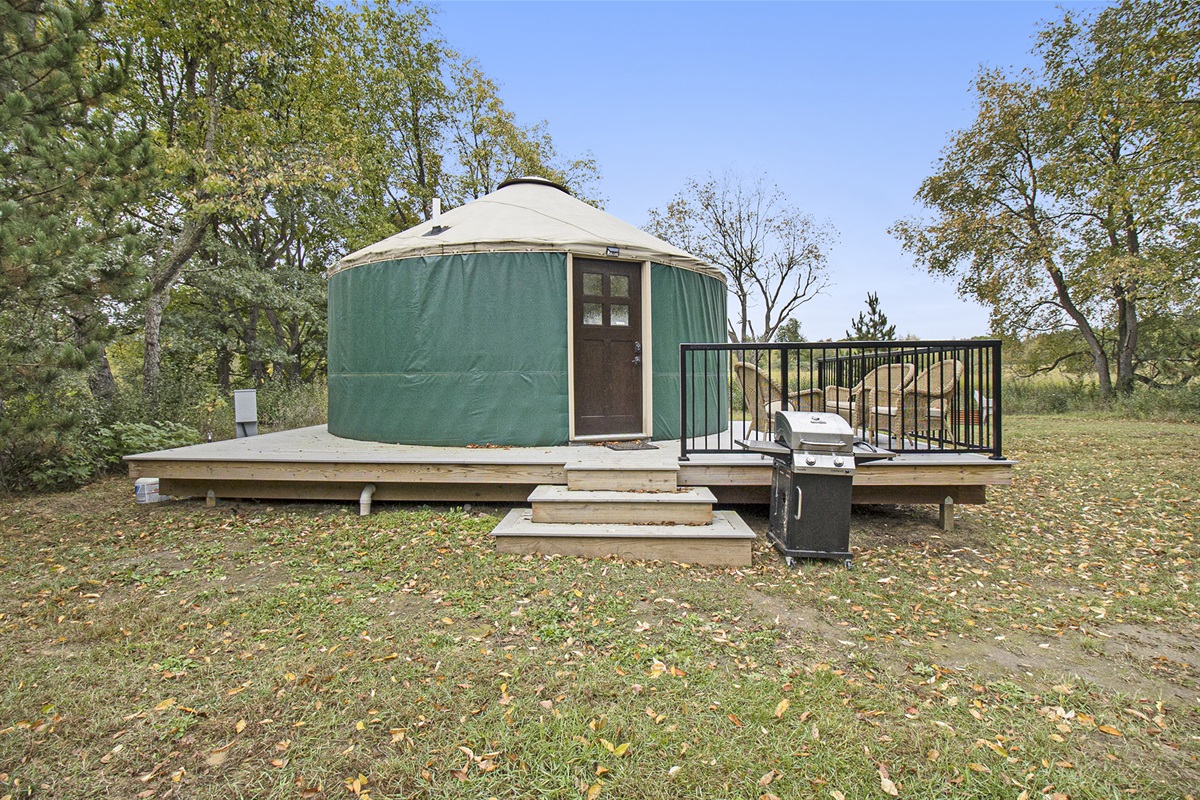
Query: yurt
point(525, 317)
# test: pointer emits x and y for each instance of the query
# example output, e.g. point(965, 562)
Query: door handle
point(637, 359)
point(637, 347)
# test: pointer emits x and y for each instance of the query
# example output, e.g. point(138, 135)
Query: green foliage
point(47, 459)
point(871, 325)
point(1075, 396)
point(1070, 202)
point(789, 331)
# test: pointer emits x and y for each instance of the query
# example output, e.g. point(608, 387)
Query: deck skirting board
point(336, 490)
point(525, 474)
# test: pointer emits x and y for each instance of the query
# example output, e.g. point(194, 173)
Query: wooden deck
point(312, 464)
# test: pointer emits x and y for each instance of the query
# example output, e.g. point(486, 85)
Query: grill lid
point(814, 432)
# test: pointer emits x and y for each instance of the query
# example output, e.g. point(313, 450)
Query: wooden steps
point(618, 478)
point(691, 506)
point(635, 511)
point(727, 542)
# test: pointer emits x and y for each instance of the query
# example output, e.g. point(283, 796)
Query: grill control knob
point(810, 460)
point(838, 461)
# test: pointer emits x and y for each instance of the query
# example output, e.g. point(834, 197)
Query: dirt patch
point(165, 560)
point(1124, 663)
point(797, 618)
point(266, 575)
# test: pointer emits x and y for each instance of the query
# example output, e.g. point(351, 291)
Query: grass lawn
point(1045, 647)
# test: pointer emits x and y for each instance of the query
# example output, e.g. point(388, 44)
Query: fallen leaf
point(974, 766)
point(734, 719)
point(836, 795)
point(885, 782)
point(594, 791)
point(165, 704)
point(240, 726)
point(765, 780)
point(781, 708)
point(1110, 730)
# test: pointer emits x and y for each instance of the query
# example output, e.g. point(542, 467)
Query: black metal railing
point(908, 397)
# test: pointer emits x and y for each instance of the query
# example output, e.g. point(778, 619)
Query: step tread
point(725, 525)
point(583, 466)
point(554, 493)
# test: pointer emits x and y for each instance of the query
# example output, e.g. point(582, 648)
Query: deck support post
point(211, 499)
point(946, 514)
point(364, 500)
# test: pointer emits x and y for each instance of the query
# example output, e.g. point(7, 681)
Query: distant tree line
point(1071, 206)
point(177, 175)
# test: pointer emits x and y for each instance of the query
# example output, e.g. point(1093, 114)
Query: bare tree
point(774, 255)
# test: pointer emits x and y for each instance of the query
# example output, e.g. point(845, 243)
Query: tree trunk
point(1127, 318)
point(99, 375)
point(182, 249)
point(1099, 356)
point(1127, 331)
point(100, 379)
point(185, 246)
point(224, 370)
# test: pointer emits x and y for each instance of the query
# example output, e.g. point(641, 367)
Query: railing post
point(683, 403)
point(997, 404)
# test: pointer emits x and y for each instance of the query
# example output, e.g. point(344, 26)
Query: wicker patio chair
point(923, 404)
point(764, 396)
point(883, 381)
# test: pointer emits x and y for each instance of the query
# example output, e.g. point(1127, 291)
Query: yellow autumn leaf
point(593, 791)
point(165, 704)
point(621, 749)
point(836, 795)
point(886, 783)
point(977, 767)
point(1110, 730)
point(240, 726)
point(781, 708)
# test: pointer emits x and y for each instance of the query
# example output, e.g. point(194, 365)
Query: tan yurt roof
point(527, 215)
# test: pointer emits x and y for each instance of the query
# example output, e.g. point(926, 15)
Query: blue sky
point(845, 106)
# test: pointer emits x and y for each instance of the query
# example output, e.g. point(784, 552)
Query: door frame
point(647, 353)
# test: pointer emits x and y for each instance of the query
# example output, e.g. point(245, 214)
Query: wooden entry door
point(608, 347)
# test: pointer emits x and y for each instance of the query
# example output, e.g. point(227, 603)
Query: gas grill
point(811, 485)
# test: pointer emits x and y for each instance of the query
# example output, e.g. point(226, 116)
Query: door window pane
point(620, 285)
point(618, 315)
point(593, 283)
point(593, 314)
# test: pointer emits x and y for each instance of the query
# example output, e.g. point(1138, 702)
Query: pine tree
point(67, 168)
point(871, 326)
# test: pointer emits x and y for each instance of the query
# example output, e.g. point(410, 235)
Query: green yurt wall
point(687, 307)
point(450, 350)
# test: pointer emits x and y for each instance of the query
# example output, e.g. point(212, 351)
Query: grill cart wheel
point(849, 563)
